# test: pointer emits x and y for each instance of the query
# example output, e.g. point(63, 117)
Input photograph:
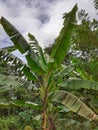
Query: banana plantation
point(55, 88)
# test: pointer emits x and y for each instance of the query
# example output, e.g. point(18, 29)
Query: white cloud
point(50, 30)
point(42, 18)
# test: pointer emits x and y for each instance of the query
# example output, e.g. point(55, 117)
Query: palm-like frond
point(19, 103)
point(8, 82)
point(33, 51)
point(38, 50)
point(10, 48)
point(96, 4)
point(15, 35)
point(12, 73)
point(15, 65)
point(62, 43)
point(73, 103)
point(80, 83)
point(63, 71)
point(35, 56)
point(12, 63)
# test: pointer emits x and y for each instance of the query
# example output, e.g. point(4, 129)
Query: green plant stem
point(45, 99)
point(45, 112)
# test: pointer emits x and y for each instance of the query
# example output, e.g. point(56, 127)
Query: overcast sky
point(42, 18)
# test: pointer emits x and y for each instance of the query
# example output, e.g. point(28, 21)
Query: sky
point(42, 18)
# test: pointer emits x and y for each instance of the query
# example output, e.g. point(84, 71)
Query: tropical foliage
point(96, 4)
point(51, 84)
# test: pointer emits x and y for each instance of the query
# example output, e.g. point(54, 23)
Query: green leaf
point(10, 48)
point(11, 72)
point(30, 75)
point(6, 105)
point(8, 82)
point(80, 83)
point(70, 124)
point(74, 104)
point(96, 4)
point(11, 63)
point(62, 43)
point(83, 73)
point(14, 35)
point(34, 44)
point(35, 67)
point(21, 103)
point(64, 71)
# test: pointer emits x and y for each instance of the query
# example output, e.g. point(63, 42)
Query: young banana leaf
point(62, 43)
point(39, 51)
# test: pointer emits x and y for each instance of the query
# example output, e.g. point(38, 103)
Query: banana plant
point(95, 4)
point(47, 71)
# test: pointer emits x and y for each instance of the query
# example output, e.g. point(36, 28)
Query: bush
point(9, 123)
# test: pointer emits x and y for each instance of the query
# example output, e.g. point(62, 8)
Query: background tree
point(85, 45)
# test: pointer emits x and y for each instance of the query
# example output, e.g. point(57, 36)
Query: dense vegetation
point(56, 89)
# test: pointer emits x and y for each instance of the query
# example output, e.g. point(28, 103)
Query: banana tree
point(96, 4)
point(47, 71)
